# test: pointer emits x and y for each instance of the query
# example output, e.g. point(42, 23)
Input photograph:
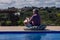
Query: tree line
point(49, 16)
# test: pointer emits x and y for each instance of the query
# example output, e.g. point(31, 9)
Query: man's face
point(33, 11)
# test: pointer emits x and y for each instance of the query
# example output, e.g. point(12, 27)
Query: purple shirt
point(36, 19)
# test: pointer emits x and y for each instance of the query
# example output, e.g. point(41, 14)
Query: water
point(32, 36)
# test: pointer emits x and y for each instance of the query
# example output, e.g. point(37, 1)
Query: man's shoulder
point(35, 15)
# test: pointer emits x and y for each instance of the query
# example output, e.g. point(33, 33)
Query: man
point(34, 20)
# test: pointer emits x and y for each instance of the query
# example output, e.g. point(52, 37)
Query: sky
point(22, 3)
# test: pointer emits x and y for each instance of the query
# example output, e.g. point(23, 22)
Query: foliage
point(49, 16)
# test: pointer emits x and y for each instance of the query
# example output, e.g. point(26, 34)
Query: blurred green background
point(49, 16)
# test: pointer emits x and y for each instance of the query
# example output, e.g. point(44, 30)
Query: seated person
point(34, 20)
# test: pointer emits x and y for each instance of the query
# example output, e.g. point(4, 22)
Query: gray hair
point(36, 11)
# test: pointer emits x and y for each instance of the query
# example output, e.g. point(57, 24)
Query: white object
point(26, 20)
point(17, 13)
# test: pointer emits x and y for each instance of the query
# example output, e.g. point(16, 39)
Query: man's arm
point(32, 18)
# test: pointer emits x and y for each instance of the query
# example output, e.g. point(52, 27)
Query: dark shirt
point(36, 19)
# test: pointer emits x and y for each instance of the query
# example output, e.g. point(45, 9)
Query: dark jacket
point(36, 19)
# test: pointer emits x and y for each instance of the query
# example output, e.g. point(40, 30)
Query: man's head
point(35, 11)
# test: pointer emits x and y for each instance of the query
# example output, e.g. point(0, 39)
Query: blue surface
point(32, 36)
